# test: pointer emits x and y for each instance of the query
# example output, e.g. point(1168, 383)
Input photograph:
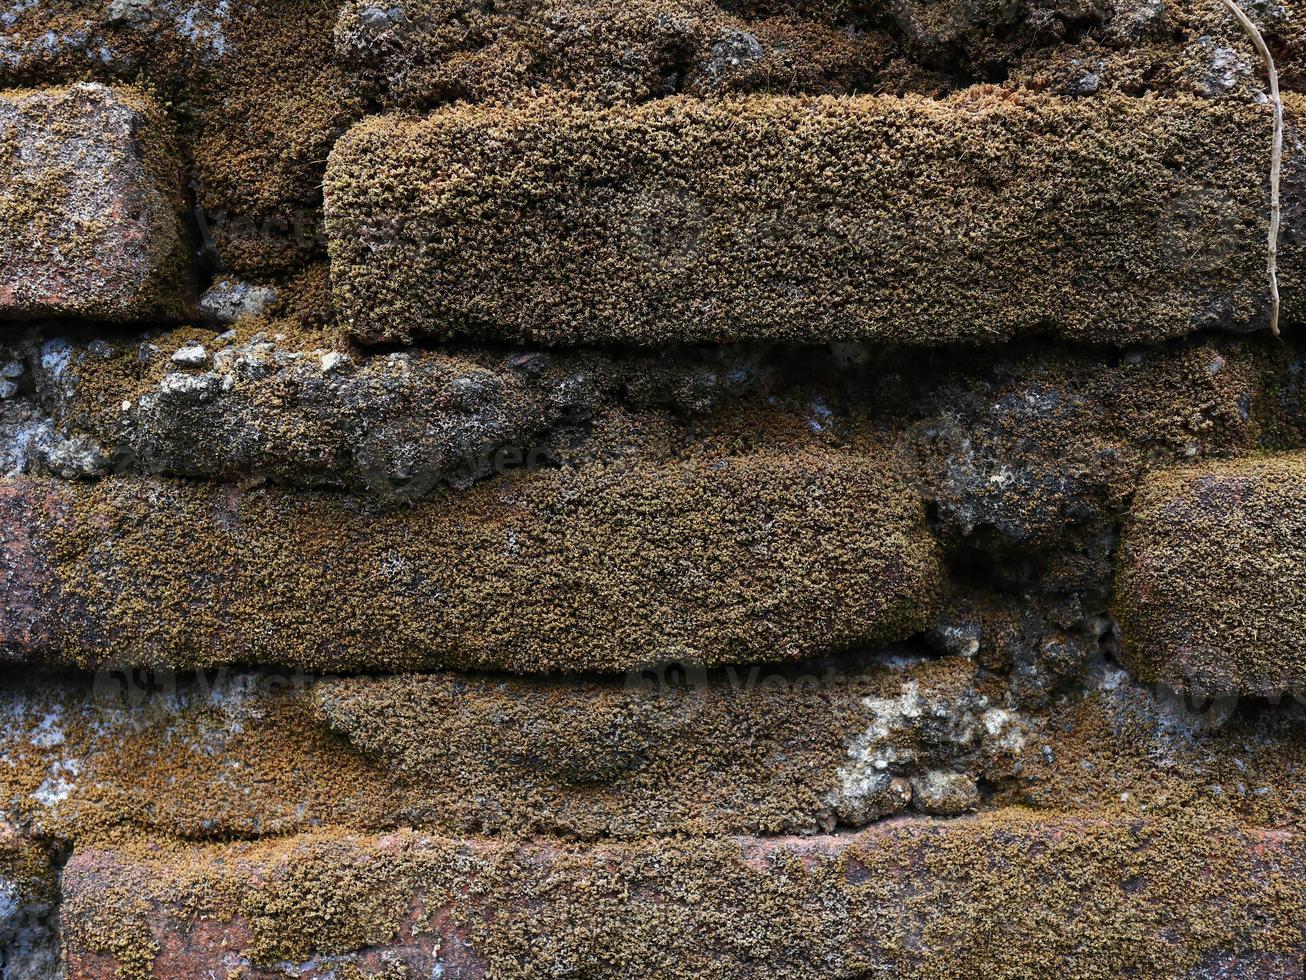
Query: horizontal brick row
point(418, 52)
point(224, 754)
point(1030, 445)
point(720, 560)
point(216, 754)
point(977, 218)
point(1005, 895)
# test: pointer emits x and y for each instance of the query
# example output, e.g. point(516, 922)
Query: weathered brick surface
point(90, 201)
point(1025, 445)
point(1211, 588)
point(759, 750)
point(1010, 895)
point(421, 52)
point(718, 560)
point(24, 571)
point(972, 219)
point(236, 754)
point(911, 561)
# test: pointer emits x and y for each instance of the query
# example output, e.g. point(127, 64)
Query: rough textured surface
point(223, 754)
point(266, 112)
point(1025, 458)
point(29, 908)
point(974, 219)
point(90, 197)
point(418, 53)
point(362, 628)
point(715, 560)
point(762, 749)
point(253, 87)
point(913, 898)
point(1212, 578)
point(271, 400)
point(415, 53)
point(1134, 46)
point(1020, 447)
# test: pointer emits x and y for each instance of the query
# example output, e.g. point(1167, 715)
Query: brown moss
point(254, 88)
point(714, 560)
point(1031, 450)
point(1006, 895)
point(266, 114)
point(26, 870)
point(747, 750)
point(755, 749)
point(1210, 589)
point(974, 219)
point(61, 41)
point(1194, 47)
point(232, 755)
point(1149, 752)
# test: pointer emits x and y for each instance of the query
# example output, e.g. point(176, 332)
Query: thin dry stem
point(1276, 155)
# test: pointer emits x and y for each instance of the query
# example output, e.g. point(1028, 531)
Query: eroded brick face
point(1210, 563)
point(662, 488)
point(92, 206)
point(745, 907)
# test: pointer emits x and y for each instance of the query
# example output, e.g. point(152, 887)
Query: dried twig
point(1276, 154)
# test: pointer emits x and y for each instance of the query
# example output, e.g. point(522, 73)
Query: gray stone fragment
point(228, 301)
point(945, 793)
point(192, 355)
point(732, 50)
point(134, 13)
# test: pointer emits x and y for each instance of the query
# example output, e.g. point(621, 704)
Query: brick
point(230, 753)
point(772, 556)
point(976, 218)
point(397, 425)
point(89, 211)
point(1211, 580)
point(1009, 894)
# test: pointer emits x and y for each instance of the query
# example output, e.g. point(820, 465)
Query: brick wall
point(650, 489)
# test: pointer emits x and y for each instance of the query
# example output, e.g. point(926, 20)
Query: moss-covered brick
point(90, 204)
point(223, 753)
point(1210, 592)
point(1010, 895)
point(227, 753)
point(267, 109)
point(971, 219)
point(769, 556)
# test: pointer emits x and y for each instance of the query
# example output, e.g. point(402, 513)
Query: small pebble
point(192, 355)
